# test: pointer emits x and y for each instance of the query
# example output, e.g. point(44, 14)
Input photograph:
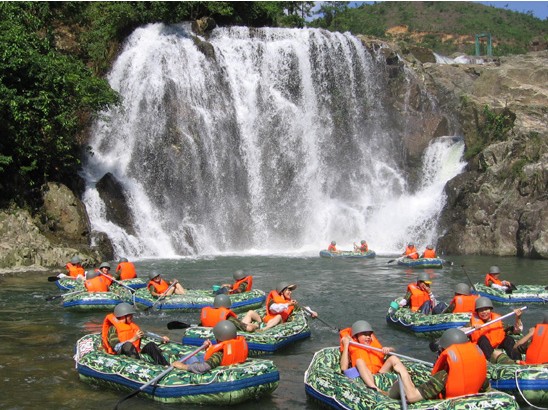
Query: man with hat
point(411, 252)
point(419, 297)
point(492, 280)
point(160, 287)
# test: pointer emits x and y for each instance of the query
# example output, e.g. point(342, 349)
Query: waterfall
point(258, 141)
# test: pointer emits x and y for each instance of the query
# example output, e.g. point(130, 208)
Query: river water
point(38, 337)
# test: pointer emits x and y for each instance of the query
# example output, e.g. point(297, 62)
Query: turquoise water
point(38, 337)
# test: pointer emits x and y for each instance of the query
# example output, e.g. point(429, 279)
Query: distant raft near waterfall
point(259, 343)
point(347, 254)
point(221, 386)
point(325, 382)
point(196, 299)
point(523, 294)
point(421, 262)
point(424, 325)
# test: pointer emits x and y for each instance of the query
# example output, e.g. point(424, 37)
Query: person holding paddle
point(242, 283)
point(363, 248)
point(492, 280)
point(158, 287)
point(419, 297)
point(332, 247)
point(410, 251)
point(280, 305)
point(120, 335)
point(95, 282)
point(75, 269)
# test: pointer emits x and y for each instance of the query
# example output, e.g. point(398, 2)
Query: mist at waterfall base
point(260, 141)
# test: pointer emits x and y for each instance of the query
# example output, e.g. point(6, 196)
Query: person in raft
point(120, 335)
point(458, 357)
point(280, 305)
point(242, 283)
point(411, 252)
point(230, 349)
point(75, 269)
point(159, 287)
point(95, 282)
point(535, 343)
point(463, 301)
point(492, 280)
point(363, 248)
point(210, 316)
point(332, 247)
point(366, 361)
point(125, 270)
point(420, 298)
point(429, 252)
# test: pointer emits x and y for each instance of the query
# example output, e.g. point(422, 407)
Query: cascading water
point(260, 140)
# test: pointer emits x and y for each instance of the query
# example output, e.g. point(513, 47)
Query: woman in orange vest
point(411, 252)
point(210, 316)
point(461, 369)
point(280, 305)
point(125, 270)
point(535, 343)
point(492, 280)
point(429, 252)
point(463, 301)
point(75, 268)
point(230, 349)
point(96, 282)
point(367, 362)
point(159, 287)
point(120, 335)
point(493, 336)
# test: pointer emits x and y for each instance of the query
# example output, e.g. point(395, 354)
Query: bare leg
point(273, 322)
point(365, 374)
point(179, 290)
point(412, 394)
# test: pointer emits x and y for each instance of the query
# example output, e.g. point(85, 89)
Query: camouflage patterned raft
point(223, 385)
point(420, 324)
point(68, 283)
point(195, 299)
point(523, 294)
point(325, 382)
point(259, 342)
point(527, 383)
point(347, 254)
point(100, 301)
point(421, 262)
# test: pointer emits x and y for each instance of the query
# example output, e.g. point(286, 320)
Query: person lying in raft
point(366, 361)
point(159, 287)
point(420, 298)
point(230, 349)
point(492, 280)
point(280, 305)
point(458, 357)
point(210, 316)
point(242, 283)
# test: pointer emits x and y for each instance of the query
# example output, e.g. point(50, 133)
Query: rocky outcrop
point(114, 196)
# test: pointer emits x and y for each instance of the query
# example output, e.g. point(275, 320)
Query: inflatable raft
point(431, 326)
point(259, 343)
point(528, 384)
point(100, 301)
point(523, 294)
point(69, 283)
point(195, 299)
point(325, 383)
point(421, 262)
point(221, 386)
point(347, 254)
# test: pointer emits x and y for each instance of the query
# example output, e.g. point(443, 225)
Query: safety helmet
point(424, 277)
point(360, 326)
point(153, 274)
point(410, 244)
point(451, 337)
point(362, 241)
point(224, 330)
point(123, 309)
point(104, 265)
point(75, 259)
point(92, 274)
point(333, 243)
point(239, 274)
point(429, 247)
point(462, 289)
point(123, 260)
point(483, 302)
point(284, 285)
point(222, 301)
point(494, 270)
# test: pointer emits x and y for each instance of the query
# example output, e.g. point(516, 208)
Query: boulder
point(116, 202)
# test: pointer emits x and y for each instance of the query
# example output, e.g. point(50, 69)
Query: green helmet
point(494, 270)
point(424, 277)
point(410, 244)
point(483, 302)
point(75, 259)
point(361, 326)
point(238, 275)
point(104, 265)
point(123, 309)
point(452, 336)
point(362, 241)
point(283, 285)
point(222, 301)
point(153, 274)
point(333, 243)
point(462, 289)
point(92, 274)
point(429, 247)
point(224, 330)
point(123, 260)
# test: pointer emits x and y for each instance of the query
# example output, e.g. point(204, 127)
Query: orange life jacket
point(418, 296)
point(97, 284)
point(464, 303)
point(373, 360)
point(411, 252)
point(363, 248)
point(466, 369)
point(537, 352)
point(275, 297)
point(332, 248)
point(248, 279)
point(234, 351)
point(74, 270)
point(210, 316)
point(429, 253)
point(106, 276)
point(124, 330)
point(494, 332)
point(127, 270)
point(492, 278)
point(158, 287)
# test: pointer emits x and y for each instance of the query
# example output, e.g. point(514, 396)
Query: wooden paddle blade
point(391, 260)
point(177, 325)
point(129, 396)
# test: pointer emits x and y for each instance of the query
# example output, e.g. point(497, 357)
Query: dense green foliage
point(441, 25)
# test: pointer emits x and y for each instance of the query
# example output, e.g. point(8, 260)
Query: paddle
point(391, 353)
point(118, 282)
point(60, 276)
point(494, 321)
point(177, 325)
point(309, 311)
point(159, 337)
point(469, 280)
point(53, 297)
point(162, 296)
point(401, 257)
point(160, 376)
point(402, 394)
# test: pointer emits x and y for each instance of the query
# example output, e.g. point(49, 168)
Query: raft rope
point(519, 388)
